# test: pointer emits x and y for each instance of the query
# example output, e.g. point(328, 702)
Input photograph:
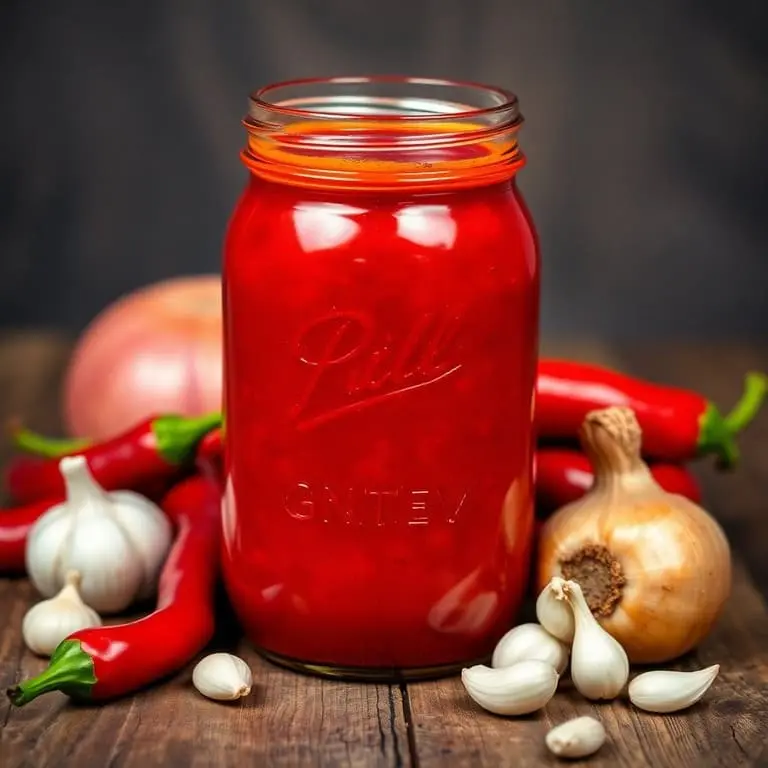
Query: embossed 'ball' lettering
point(351, 365)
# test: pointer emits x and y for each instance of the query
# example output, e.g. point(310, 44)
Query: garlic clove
point(517, 690)
point(554, 611)
point(599, 665)
point(579, 737)
point(50, 621)
point(530, 641)
point(668, 691)
point(222, 677)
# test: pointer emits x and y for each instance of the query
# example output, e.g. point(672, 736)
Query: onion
point(654, 567)
point(157, 350)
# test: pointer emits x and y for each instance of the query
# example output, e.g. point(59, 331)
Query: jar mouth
point(384, 97)
point(382, 132)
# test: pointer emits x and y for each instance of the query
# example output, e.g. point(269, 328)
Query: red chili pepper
point(212, 445)
point(564, 475)
point(678, 424)
point(210, 455)
point(103, 663)
point(15, 525)
point(151, 452)
point(22, 479)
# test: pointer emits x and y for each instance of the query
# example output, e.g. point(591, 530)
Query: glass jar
point(381, 294)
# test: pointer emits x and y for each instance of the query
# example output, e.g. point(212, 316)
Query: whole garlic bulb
point(116, 541)
point(48, 622)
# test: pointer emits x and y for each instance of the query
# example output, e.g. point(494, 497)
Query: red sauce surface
point(380, 355)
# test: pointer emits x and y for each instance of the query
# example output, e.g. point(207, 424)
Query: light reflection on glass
point(465, 608)
point(229, 515)
point(322, 226)
point(431, 226)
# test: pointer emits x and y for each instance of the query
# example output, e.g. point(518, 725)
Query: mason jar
point(381, 299)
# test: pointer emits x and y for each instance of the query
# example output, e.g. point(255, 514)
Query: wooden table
point(292, 720)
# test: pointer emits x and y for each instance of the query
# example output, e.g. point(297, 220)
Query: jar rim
point(504, 103)
point(382, 131)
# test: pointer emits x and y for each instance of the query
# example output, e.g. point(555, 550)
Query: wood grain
point(294, 720)
point(288, 720)
point(729, 727)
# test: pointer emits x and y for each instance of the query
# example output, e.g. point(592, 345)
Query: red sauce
point(380, 355)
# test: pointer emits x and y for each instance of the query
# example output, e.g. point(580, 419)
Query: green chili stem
point(70, 671)
point(755, 389)
point(47, 447)
point(177, 436)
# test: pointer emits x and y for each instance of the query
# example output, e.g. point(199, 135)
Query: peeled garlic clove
point(530, 641)
point(516, 690)
point(599, 665)
point(667, 691)
point(50, 621)
point(554, 612)
point(223, 677)
point(579, 737)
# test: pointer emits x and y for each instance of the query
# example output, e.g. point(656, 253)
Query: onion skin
point(156, 350)
point(674, 556)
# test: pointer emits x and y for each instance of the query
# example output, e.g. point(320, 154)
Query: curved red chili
point(15, 525)
point(151, 452)
point(678, 424)
point(210, 455)
point(563, 475)
point(212, 445)
point(106, 662)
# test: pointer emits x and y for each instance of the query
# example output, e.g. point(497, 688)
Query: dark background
point(646, 132)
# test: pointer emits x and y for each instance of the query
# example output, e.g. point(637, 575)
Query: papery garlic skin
point(117, 542)
point(665, 691)
point(520, 689)
point(530, 641)
point(222, 677)
point(664, 562)
point(50, 621)
point(554, 612)
point(579, 737)
point(599, 665)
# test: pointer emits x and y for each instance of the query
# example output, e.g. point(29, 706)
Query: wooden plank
point(728, 728)
point(289, 720)
point(294, 720)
